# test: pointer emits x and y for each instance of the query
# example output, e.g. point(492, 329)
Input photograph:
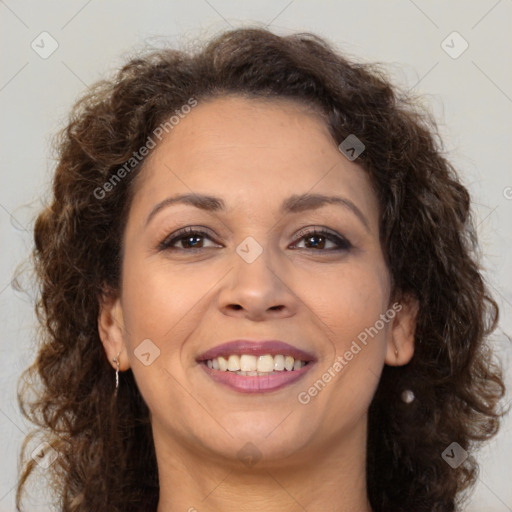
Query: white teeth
point(223, 364)
point(233, 363)
point(247, 363)
point(265, 363)
point(279, 363)
point(252, 366)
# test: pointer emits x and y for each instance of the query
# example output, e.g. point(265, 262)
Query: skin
point(255, 153)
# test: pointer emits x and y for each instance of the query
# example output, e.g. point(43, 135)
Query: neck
point(332, 479)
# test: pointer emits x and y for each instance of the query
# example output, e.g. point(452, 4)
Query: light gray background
point(471, 97)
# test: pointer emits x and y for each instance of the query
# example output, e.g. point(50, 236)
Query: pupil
point(195, 237)
point(316, 236)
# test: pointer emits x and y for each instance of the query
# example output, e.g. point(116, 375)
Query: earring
point(407, 396)
point(116, 360)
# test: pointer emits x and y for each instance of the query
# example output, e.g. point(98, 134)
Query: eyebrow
point(294, 204)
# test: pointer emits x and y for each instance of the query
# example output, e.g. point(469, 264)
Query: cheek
point(351, 303)
point(156, 299)
point(159, 305)
point(351, 299)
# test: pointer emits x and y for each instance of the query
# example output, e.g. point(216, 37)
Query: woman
point(259, 292)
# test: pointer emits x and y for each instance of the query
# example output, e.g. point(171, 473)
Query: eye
point(192, 239)
point(189, 237)
point(319, 238)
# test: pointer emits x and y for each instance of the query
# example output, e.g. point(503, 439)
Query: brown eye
point(190, 239)
point(316, 239)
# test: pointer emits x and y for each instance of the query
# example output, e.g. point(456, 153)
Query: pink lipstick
point(256, 366)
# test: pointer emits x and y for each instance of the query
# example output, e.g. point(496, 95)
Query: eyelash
point(168, 242)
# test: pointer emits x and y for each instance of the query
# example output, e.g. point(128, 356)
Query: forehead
point(233, 146)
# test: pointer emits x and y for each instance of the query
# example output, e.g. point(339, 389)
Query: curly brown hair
point(107, 459)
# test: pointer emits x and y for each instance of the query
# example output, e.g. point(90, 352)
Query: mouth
point(256, 367)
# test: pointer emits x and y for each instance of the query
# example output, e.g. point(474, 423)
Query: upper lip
point(256, 348)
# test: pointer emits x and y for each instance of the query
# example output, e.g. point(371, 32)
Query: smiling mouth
point(240, 372)
point(249, 365)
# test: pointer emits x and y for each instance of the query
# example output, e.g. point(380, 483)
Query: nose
point(258, 290)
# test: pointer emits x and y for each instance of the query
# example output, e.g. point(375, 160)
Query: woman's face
point(257, 274)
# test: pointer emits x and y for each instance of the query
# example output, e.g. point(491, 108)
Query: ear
point(111, 330)
point(400, 339)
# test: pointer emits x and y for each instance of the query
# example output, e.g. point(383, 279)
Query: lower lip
point(256, 384)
